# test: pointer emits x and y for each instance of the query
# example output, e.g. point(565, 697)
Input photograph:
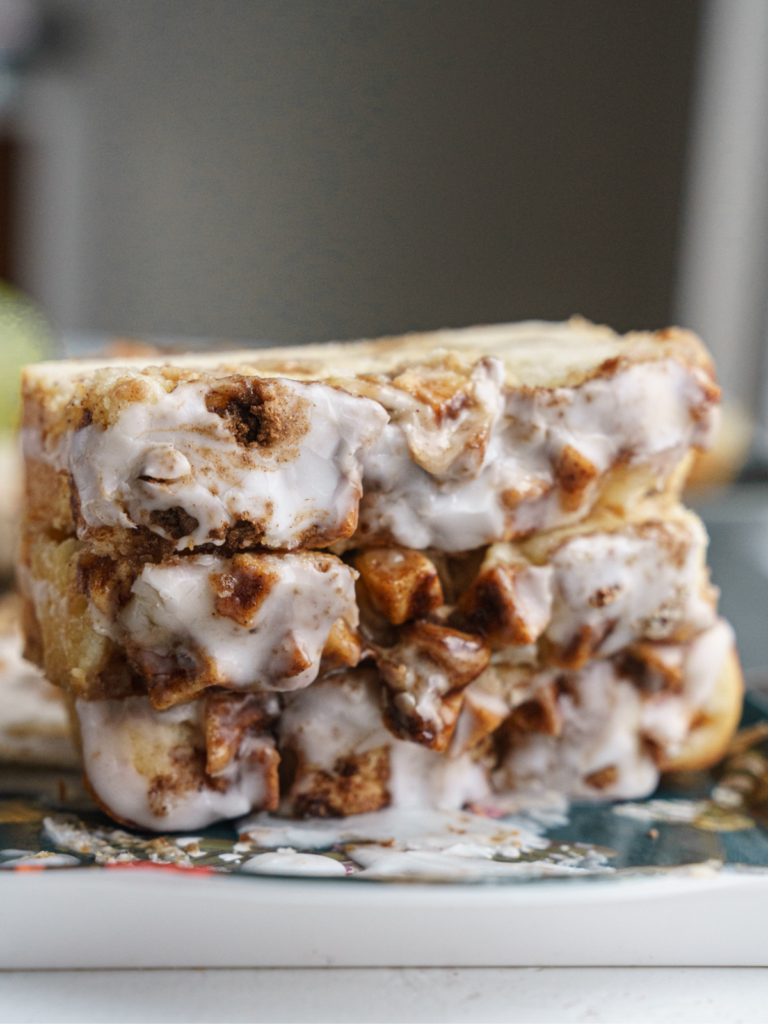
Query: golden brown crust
point(581, 648)
point(174, 678)
point(227, 718)
point(481, 715)
point(712, 731)
point(538, 714)
point(536, 353)
point(75, 656)
point(603, 778)
point(643, 664)
point(574, 474)
point(491, 607)
point(33, 636)
point(47, 498)
point(261, 413)
point(343, 648)
point(242, 589)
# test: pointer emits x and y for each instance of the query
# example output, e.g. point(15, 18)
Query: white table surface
point(532, 994)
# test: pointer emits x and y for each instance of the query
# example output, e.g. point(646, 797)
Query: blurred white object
point(34, 725)
point(722, 286)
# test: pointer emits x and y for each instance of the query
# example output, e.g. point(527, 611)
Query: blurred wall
point(723, 267)
point(294, 169)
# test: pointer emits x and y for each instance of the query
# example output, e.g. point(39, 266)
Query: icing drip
point(147, 766)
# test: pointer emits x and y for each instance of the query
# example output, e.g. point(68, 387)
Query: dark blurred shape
point(9, 165)
point(299, 170)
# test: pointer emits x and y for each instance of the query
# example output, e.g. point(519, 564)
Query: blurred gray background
point(297, 170)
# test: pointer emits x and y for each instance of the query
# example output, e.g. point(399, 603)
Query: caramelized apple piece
point(343, 648)
point(424, 673)
point(510, 601)
point(402, 584)
point(228, 717)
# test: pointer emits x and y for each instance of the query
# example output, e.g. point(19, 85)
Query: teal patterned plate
point(716, 819)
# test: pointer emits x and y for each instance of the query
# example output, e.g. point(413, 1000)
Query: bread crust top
point(535, 354)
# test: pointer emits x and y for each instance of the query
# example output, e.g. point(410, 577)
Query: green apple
point(25, 337)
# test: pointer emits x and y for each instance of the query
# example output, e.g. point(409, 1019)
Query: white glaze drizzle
point(173, 605)
point(644, 580)
point(604, 722)
point(421, 779)
point(127, 747)
point(600, 730)
point(171, 451)
point(648, 413)
point(631, 581)
point(667, 717)
point(339, 716)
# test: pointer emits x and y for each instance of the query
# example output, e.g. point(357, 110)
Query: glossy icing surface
point(186, 611)
point(146, 766)
point(170, 451)
point(510, 481)
point(599, 748)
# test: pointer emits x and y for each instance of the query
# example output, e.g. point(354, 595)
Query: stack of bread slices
point(424, 571)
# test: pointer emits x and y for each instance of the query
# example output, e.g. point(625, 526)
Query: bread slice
point(452, 439)
point(102, 629)
point(589, 590)
point(260, 620)
point(154, 770)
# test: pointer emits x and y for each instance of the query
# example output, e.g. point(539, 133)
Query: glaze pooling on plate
point(437, 846)
point(536, 837)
